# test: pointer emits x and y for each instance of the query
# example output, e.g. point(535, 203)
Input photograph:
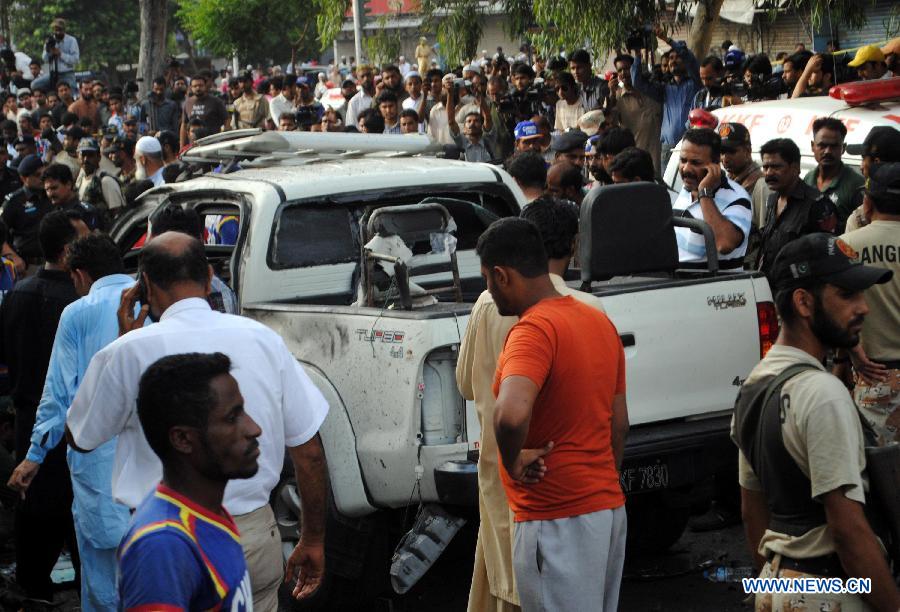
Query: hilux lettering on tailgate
point(729, 300)
point(380, 335)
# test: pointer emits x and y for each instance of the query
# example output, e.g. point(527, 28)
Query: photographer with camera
point(524, 101)
point(477, 140)
point(62, 54)
point(713, 95)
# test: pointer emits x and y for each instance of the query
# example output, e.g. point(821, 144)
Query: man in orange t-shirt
point(560, 421)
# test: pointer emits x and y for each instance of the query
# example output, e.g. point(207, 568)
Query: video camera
point(762, 87)
point(640, 38)
point(50, 42)
point(523, 105)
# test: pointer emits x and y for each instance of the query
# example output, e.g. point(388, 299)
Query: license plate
point(645, 477)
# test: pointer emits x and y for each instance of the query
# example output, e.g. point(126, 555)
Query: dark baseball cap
point(884, 181)
point(569, 141)
point(29, 165)
point(733, 135)
point(823, 258)
point(880, 139)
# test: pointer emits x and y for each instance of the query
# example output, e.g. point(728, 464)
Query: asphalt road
point(670, 581)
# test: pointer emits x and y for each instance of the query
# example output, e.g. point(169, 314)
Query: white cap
point(472, 68)
point(148, 144)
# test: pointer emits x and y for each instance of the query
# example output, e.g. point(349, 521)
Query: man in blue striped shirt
point(709, 195)
point(86, 326)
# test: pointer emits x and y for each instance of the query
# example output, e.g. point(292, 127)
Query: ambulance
point(860, 105)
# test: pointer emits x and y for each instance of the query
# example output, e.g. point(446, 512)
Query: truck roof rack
point(265, 148)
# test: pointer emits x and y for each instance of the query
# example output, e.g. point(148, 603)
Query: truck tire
point(356, 552)
point(655, 521)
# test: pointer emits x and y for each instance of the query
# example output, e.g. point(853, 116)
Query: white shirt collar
point(157, 178)
point(183, 306)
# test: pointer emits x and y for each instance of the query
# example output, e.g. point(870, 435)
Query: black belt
point(890, 365)
point(826, 565)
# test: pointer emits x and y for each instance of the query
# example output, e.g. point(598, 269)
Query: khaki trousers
point(262, 550)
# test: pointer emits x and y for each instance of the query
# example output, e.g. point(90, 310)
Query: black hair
point(134, 189)
point(97, 255)
point(59, 172)
point(386, 96)
point(410, 112)
point(513, 243)
point(474, 113)
point(528, 168)
point(829, 123)
point(433, 72)
point(277, 82)
point(615, 140)
point(887, 203)
point(69, 118)
point(292, 116)
point(175, 390)
point(759, 64)
point(174, 218)
point(55, 232)
point(565, 78)
point(784, 299)
point(625, 59)
point(160, 81)
point(799, 60)
point(165, 268)
point(196, 122)
point(785, 147)
point(580, 57)
point(523, 69)
point(373, 121)
point(4, 232)
point(168, 137)
point(713, 62)
point(8, 124)
point(389, 68)
point(634, 163)
point(705, 137)
point(557, 222)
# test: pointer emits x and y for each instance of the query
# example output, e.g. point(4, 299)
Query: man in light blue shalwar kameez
point(86, 326)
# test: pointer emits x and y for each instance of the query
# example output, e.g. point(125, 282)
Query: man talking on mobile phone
point(709, 195)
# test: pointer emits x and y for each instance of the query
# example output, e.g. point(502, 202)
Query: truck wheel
point(356, 552)
point(654, 522)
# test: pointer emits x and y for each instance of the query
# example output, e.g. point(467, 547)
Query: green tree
point(257, 30)
point(108, 31)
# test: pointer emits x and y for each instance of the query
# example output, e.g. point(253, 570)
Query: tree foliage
point(458, 25)
point(257, 30)
point(108, 31)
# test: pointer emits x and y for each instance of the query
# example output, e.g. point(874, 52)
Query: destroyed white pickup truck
point(319, 214)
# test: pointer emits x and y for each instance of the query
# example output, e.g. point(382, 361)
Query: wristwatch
point(707, 193)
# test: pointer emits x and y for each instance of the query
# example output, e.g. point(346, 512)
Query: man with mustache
point(709, 195)
point(801, 459)
point(836, 180)
point(794, 208)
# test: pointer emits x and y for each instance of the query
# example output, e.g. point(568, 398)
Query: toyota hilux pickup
point(359, 252)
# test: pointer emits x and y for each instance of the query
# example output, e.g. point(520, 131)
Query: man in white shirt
point(284, 102)
point(709, 195)
point(148, 159)
point(279, 396)
point(363, 98)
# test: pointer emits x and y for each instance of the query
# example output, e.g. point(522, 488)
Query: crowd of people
point(78, 154)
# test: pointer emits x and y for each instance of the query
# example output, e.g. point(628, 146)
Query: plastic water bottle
point(724, 573)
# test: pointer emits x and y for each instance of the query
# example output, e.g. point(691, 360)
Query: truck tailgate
point(688, 345)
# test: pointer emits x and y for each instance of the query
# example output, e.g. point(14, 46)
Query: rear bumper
point(676, 454)
point(657, 457)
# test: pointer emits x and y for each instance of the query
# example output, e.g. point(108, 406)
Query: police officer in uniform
point(794, 208)
point(877, 390)
point(96, 187)
point(22, 213)
point(802, 462)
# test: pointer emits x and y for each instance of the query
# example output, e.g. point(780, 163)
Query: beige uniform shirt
point(822, 434)
point(109, 185)
point(878, 245)
point(484, 339)
point(252, 111)
point(67, 160)
point(643, 116)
